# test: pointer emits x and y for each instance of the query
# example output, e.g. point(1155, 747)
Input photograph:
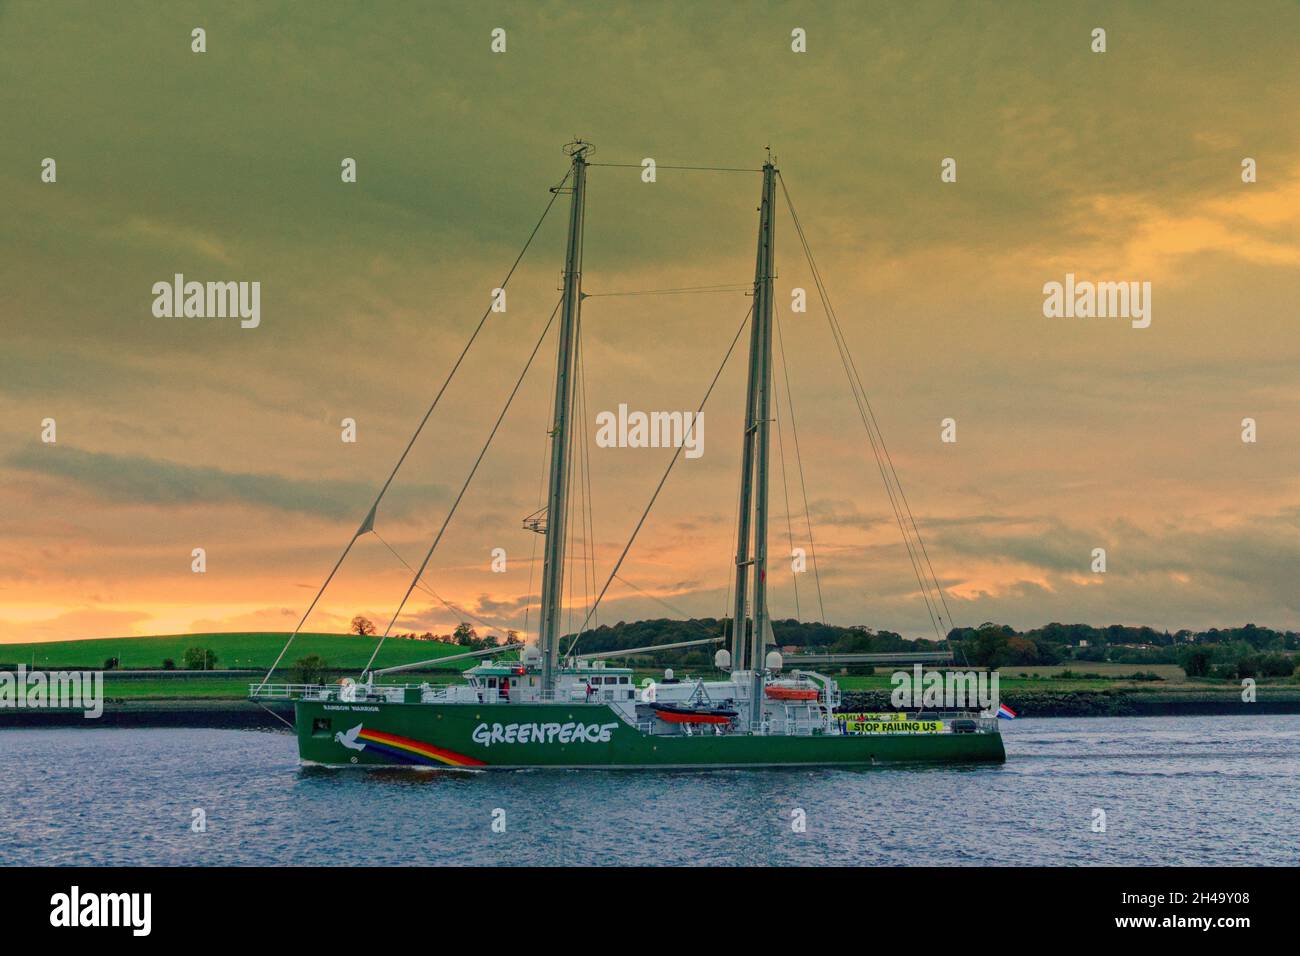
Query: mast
point(754, 461)
point(557, 495)
point(762, 419)
point(739, 615)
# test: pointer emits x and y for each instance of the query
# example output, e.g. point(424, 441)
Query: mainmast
point(754, 461)
point(557, 496)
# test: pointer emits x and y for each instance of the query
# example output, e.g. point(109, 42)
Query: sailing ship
point(525, 705)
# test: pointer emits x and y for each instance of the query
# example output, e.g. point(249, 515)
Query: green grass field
point(234, 651)
point(256, 651)
point(1169, 672)
point(190, 688)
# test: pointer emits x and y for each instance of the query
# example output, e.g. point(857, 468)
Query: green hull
point(474, 736)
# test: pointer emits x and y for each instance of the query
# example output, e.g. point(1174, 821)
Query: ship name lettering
point(569, 733)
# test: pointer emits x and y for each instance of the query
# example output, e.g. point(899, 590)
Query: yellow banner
point(893, 727)
point(861, 717)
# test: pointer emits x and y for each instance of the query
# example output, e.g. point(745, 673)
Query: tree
point(1265, 665)
point(1276, 665)
point(987, 647)
point(200, 659)
point(309, 669)
point(464, 634)
point(362, 627)
point(857, 642)
point(1019, 650)
point(169, 664)
point(1195, 661)
point(111, 664)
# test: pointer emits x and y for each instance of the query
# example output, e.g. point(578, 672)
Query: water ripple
point(1214, 791)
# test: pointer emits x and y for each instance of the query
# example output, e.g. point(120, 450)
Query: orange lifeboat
point(791, 692)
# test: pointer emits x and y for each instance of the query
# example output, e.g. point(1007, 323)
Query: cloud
point(1137, 236)
point(140, 480)
point(169, 236)
point(264, 619)
point(74, 625)
point(1152, 571)
point(1126, 163)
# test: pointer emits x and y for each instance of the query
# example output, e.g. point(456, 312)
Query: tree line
point(1244, 651)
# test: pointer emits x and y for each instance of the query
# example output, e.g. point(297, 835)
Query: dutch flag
point(1006, 712)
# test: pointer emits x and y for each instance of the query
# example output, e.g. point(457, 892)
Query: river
point(1177, 791)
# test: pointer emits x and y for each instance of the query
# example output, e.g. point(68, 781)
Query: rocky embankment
point(224, 714)
point(1117, 703)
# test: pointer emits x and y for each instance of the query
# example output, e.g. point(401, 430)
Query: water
point(1180, 791)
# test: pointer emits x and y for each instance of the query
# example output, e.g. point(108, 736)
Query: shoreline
point(1120, 703)
point(193, 714)
point(246, 715)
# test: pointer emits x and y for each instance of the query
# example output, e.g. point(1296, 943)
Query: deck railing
point(359, 692)
point(396, 693)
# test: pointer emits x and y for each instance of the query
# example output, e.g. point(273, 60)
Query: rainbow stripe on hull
point(414, 752)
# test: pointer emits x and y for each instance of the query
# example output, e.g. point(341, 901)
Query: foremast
point(552, 596)
point(752, 519)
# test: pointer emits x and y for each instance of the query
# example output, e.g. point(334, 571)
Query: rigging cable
point(465, 487)
point(685, 290)
point(541, 495)
point(275, 715)
point(677, 453)
point(571, 562)
point(460, 611)
point(368, 523)
point(676, 610)
point(727, 609)
point(871, 424)
point(798, 457)
point(584, 506)
point(785, 491)
point(586, 444)
point(841, 346)
point(713, 169)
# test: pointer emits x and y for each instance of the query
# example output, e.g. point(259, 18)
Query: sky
point(1072, 433)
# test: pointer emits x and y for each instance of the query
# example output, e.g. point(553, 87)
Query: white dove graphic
point(349, 739)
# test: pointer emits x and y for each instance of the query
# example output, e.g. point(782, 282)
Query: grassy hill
point(246, 650)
